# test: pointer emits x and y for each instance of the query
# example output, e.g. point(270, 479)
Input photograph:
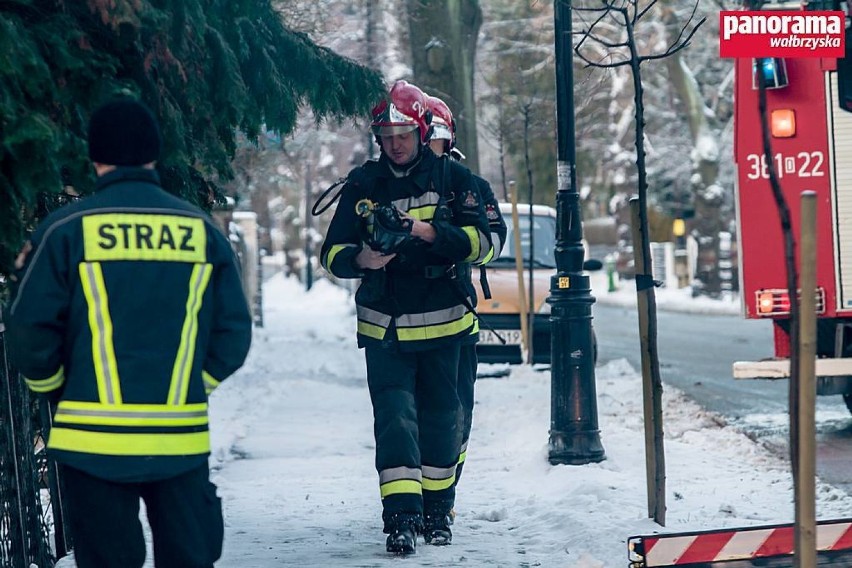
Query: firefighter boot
point(402, 540)
point(402, 529)
point(436, 529)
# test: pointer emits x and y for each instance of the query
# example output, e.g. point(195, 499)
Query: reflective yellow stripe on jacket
point(479, 249)
point(416, 327)
point(422, 207)
point(180, 430)
point(129, 444)
point(496, 245)
point(210, 382)
point(100, 323)
point(172, 418)
point(433, 325)
point(372, 323)
point(328, 260)
point(49, 384)
point(111, 425)
point(152, 415)
point(186, 350)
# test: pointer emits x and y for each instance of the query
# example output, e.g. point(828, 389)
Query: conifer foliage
point(207, 68)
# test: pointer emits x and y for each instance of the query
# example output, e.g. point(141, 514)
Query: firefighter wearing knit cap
point(128, 312)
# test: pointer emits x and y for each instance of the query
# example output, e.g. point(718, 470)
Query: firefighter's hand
point(372, 259)
point(421, 229)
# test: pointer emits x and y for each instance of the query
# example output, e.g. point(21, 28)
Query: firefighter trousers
point(466, 380)
point(417, 425)
point(184, 512)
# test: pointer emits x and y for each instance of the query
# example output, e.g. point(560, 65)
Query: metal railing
point(32, 528)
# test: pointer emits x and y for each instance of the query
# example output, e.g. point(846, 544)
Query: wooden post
point(806, 499)
point(652, 387)
point(519, 266)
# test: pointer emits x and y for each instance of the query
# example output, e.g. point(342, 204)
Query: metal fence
point(32, 528)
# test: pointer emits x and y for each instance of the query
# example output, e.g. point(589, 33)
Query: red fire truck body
point(811, 127)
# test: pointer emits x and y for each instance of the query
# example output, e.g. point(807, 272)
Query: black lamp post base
point(575, 448)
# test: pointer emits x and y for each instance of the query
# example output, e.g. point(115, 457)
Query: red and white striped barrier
point(732, 544)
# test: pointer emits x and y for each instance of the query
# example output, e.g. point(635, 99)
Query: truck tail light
point(783, 123)
point(776, 302)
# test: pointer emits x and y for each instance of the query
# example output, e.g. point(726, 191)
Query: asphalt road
point(696, 356)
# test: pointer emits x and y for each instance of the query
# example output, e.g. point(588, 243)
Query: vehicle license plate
point(511, 336)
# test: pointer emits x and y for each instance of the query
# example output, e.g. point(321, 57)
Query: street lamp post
point(574, 434)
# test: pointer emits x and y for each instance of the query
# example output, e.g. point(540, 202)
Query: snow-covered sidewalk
point(673, 299)
point(293, 460)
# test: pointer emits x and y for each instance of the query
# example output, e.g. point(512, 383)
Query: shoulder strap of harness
point(359, 175)
point(318, 208)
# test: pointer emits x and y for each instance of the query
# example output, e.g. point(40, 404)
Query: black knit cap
point(123, 132)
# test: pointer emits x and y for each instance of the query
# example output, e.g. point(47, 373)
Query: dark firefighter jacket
point(415, 302)
point(129, 311)
point(498, 230)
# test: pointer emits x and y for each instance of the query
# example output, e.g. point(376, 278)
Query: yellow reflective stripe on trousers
point(401, 486)
point(96, 414)
point(100, 323)
point(438, 478)
point(186, 350)
point(48, 384)
point(397, 473)
point(421, 333)
point(108, 443)
point(437, 484)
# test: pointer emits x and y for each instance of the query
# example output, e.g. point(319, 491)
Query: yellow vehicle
point(502, 312)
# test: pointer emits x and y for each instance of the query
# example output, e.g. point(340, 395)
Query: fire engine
point(809, 108)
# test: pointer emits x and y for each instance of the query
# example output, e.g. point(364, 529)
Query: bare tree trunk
point(708, 216)
point(443, 50)
point(630, 14)
point(373, 13)
point(501, 140)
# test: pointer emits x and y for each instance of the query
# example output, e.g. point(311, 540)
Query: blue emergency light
point(774, 70)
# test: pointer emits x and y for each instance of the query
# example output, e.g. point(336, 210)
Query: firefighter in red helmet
point(443, 143)
point(403, 224)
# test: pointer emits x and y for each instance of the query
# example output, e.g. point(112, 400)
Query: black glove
point(387, 230)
